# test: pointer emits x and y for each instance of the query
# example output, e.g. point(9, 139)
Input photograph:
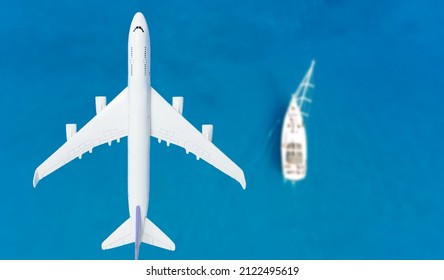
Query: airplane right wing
point(170, 126)
point(110, 124)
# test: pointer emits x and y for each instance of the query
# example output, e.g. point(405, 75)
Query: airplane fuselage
point(139, 120)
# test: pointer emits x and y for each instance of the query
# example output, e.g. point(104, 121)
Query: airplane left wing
point(110, 124)
point(170, 126)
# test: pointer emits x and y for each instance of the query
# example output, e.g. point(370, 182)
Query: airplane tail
point(130, 232)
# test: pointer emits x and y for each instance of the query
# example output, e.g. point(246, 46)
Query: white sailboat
point(293, 139)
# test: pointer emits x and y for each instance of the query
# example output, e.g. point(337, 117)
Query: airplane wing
point(110, 124)
point(170, 126)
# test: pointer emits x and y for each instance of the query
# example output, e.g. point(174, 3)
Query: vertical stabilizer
point(138, 235)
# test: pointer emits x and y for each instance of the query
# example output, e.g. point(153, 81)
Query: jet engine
point(207, 131)
point(71, 129)
point(100, 103)
point(178, 104)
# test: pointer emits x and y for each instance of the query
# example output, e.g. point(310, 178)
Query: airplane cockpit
point(138, 27)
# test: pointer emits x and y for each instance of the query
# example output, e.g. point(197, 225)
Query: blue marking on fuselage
point(137, 243)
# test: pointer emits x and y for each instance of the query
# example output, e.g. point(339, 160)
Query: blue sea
point(374, 188)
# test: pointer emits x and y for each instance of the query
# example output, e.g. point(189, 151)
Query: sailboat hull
point(294, 144)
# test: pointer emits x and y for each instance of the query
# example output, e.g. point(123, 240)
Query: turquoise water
point(374, 186)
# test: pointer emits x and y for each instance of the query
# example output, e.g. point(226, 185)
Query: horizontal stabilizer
point(121, 236)
point(125, 235)
point(154, 236)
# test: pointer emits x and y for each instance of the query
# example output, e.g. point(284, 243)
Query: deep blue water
point(374, 188)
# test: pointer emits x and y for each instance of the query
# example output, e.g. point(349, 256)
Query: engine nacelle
point(178, 104)
point(100, 103)
point(207, 131)
point(71, 129)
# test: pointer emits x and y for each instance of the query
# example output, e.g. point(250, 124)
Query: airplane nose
point(139, 25)
point(138, 19)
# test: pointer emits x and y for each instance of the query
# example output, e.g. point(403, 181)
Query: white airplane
point(138, 112)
